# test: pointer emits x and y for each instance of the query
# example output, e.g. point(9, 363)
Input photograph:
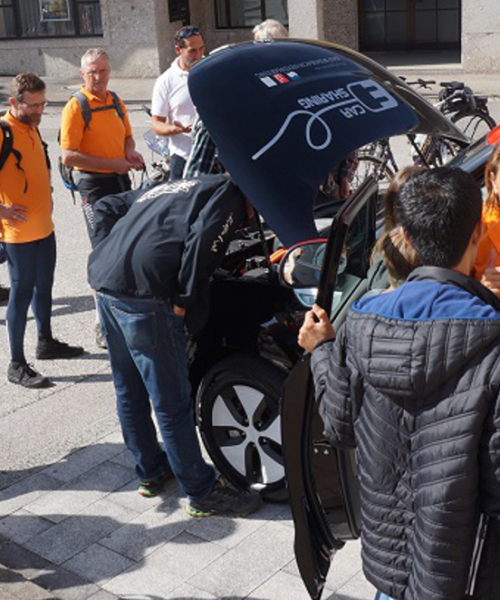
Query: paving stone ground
point(81, 532)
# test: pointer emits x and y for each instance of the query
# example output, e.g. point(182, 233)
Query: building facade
point(49, 36)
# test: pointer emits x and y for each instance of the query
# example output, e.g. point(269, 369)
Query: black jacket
point(413, 383)
point(166, 241)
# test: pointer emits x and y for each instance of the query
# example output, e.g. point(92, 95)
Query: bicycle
point(457, 101)
point(158, 145)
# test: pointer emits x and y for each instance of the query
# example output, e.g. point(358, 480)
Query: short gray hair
point(92, 55)
point(269, 29)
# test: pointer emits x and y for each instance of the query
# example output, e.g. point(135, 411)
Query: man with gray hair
point(96, 136)
point(270, 29)
point(96, 140)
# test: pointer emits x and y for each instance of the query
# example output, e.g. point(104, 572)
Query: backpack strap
point(87, 111)
point(45, 147)
point(8, 141)
point(8, 149)
point(118, 105)
point(84, 107)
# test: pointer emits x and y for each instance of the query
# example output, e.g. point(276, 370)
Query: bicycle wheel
point(371, 165)
point(474, 125)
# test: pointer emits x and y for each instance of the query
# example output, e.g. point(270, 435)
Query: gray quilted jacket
point(413, 382)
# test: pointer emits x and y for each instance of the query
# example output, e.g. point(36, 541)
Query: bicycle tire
point(372, 165)
point(475, 125)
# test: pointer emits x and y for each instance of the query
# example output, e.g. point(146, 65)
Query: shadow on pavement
point(85, 378)
point(72, 305)
point(104, 528)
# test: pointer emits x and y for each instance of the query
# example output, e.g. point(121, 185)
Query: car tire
point(238, 415)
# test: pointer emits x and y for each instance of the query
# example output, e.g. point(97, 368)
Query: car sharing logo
point(356, 99)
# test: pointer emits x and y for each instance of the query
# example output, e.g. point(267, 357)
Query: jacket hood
point(419, 336)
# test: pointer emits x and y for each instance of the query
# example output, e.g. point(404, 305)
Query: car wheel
point(238, 414)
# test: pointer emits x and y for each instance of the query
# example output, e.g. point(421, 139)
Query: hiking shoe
point(100, 339)
point(224, 500)
point(4, 295)
point(150, 489)
point(49, 349)
point(25, 375)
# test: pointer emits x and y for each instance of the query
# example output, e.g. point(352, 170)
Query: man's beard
point(33, 120)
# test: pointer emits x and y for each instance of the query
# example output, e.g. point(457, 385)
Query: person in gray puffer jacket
point(413, 382)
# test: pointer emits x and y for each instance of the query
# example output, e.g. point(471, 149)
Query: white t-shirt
point(171, 99)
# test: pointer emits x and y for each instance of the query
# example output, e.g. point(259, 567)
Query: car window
point(355, 263)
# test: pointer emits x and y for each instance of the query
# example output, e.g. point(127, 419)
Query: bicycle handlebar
point(423, 83)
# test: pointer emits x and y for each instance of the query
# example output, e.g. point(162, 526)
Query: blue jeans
point(148, 354)
point(380, 596)
point(31, 273)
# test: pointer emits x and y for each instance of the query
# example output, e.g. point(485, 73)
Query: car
point(305, 105)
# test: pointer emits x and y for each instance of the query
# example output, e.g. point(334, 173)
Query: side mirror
point(300, 267)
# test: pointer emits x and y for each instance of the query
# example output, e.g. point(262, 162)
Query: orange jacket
point(488, 254)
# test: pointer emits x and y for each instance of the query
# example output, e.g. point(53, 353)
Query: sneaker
point(49, 349)
point(224, 500)
point(100, 339)
point(4, 295)
point(150, 489)
point(25, 375)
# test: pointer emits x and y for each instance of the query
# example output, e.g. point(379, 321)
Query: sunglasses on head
point(188, 32)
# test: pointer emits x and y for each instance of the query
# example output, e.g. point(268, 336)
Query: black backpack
point(8, 148)
point(67, 172)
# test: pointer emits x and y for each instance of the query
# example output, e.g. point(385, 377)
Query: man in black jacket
point(412, 381)
point(155, 252)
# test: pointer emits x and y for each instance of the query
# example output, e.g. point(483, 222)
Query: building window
point(231, 14)
point(50, 18)
point(178, 10)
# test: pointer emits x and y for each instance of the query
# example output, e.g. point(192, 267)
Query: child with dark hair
point(413, 383)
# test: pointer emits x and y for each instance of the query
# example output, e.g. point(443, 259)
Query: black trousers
point(94, 186)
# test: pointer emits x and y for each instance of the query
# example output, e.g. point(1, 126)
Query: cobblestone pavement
point(72, 525)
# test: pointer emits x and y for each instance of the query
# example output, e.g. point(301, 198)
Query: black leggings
point(31, 270)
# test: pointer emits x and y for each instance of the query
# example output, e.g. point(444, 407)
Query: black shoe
point(4, 295)
point(150, 489)
point(49, 349)
point(25, 375)
point(224, 500)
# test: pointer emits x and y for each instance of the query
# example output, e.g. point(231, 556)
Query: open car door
point(322, 481)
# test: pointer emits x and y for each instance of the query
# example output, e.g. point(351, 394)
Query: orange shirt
point(488, 254)
point(38, 195)
point(106, 133)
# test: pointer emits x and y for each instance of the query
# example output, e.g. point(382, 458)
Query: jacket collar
point(448, 276)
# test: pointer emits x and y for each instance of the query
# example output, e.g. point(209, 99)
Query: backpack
point(65, 171)
point(8, 148)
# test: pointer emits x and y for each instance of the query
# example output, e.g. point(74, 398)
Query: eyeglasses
point(95, 73)
point(187, 32)
point(35, 105)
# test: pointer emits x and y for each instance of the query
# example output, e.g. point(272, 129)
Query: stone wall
point(480, 36)
point(341, 22)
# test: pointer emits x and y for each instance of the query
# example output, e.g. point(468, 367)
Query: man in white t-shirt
point(172, 109)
